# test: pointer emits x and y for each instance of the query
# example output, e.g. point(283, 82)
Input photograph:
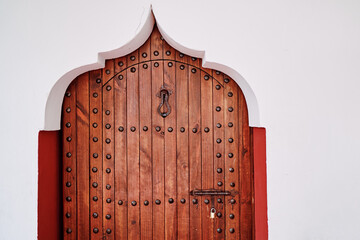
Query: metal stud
point(120, 63)
point(68, 169)
point(194, 130)
point(182, 200)
point(95, 95)
point(120, 77)
point(94, 169)
point(170, 129)
point(231, 155)
point(232, 201)
point(108, 200)
point(145, 66)
point(95, 139)
point(98, 80)
point(219, 184)
point(231, 140)
point(219, 200)
point(108, 156)
point(231, 216)
point(95, 198)
point(121, 129)
point(232, 184)
point(206, 201)
point(230, 124)
point(156, 64)
point(108, 170)
point(158, 202)
point(182, 129)
point(107, 126)
point(182, 67)
point(218, 87)
point(132, 129)
point(108, 216)
point(145, 128)
point(206, 77)
point(217, 73)
point(218, 155)
point(219, 230)
point(68, 110)
point(218, 108)
point(168, 53)
point(108, 186)
point(68, 154)
point(95, 230)
point(194, 201)
point(231, 169)
point(107, 71)
point(68, 139)
point(170, 64)
point(67, 215)
point(107, 112)
point(226, 80)
point(156, 53)
point(95, 110)
point(68, 124)
point(68, 184)
point(219, 215)
point(95, 215)
point(171, 200)
point(231, 230)
point(218, 125)
point(193, 58)
point(132, 58)
point(230, 94)
point(95, 155)
point(133, 69)
point(108, 88)
point(207, 129)
point(108, 231)
point(68, 94)
point(230, 109)
point(68, 199)
point(144, 55)
point(95, 125)
point(146, 202)
point(158, 129)
point(95, 185)
point(120, 202)
point(218, 140)
point(219, 170)
point(181, 55)
point(193, 70)
point(68, 230)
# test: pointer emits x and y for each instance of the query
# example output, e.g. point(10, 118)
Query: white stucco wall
point(301, 59)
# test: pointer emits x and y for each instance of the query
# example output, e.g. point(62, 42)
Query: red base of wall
point(49, 195)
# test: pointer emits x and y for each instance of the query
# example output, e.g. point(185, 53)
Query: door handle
point(164, 95)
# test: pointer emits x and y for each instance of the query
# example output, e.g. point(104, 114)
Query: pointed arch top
point(55, 98)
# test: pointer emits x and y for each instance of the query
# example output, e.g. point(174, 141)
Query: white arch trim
point(56, 95)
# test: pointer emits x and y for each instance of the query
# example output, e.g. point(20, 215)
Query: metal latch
point(209, 192)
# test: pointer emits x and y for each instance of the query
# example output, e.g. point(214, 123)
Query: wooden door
point(134, 170)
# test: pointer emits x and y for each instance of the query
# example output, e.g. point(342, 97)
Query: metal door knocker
point(164, 95)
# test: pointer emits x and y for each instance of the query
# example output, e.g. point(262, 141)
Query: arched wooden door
point(132, 170)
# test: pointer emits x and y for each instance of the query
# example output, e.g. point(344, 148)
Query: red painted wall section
point(49, 186)
point(260, 183)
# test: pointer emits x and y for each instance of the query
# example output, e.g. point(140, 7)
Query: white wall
point(301, 58)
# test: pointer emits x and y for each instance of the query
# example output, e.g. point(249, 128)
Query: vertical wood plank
point(232, 157)
point(69, 163)
point(157, 137)
point(108, 150)
point(145, 142)
point(170, 144)
point(82, 143)
point(96, 154)
point(219, 151)
point(245, 173)
point(182, 106)
point(207, 155)
point(120, 130)
point(195, 168)
point(133, 146)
